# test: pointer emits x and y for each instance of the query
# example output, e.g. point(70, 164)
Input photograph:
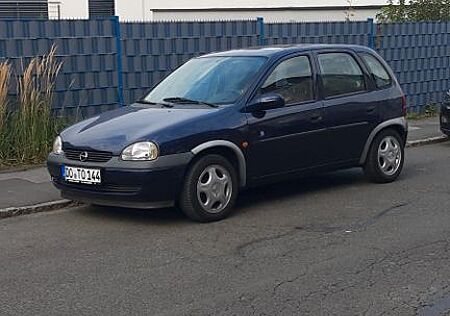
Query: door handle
point(371, 109)
point(316, 118)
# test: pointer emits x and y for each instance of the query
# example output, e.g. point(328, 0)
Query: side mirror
point(266, 102)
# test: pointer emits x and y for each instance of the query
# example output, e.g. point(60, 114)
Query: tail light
point(404, 105)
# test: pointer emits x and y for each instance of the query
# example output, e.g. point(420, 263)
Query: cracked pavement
point(332, 244)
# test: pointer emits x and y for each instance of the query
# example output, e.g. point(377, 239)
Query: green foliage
point(429, 111)
point(415, 10)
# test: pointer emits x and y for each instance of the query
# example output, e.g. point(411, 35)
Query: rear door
point(350, 112)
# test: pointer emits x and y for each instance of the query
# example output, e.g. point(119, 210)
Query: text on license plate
point(82, 175)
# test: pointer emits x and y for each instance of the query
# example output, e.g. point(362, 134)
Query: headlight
point(57, 146)
point(143, 151)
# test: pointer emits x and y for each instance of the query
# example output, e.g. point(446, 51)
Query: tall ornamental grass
point(30, 128)
point(5, 75)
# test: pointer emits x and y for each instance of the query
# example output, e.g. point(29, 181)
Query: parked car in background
point(227, 121)
point(445, 114)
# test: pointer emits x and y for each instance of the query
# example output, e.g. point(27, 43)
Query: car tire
point(386, 157)
point(210, 189)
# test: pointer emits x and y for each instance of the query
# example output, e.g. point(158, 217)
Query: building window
point(54, 10)
point(24, 9)
point(101, 8)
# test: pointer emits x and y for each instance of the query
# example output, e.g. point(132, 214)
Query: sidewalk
point(33, 187)
point(26, 188)
point(423, 129)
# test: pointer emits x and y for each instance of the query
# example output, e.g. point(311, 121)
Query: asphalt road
point(326, 245)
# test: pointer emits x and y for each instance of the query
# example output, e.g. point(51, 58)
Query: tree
point(415, 10)
point(350, 12)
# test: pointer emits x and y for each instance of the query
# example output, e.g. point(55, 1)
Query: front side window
point(340, 74)
point(214, 80)
point(377, 70)
point(292, 79)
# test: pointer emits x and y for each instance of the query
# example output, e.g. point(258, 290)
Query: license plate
point(82, 175)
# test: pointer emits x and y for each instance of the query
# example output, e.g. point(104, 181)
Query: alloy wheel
point(214, 189)
point(389, 155)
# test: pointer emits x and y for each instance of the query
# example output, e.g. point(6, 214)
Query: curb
point(427, 141)
point(42, 207)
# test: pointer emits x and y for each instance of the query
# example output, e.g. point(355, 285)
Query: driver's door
point(293, 137)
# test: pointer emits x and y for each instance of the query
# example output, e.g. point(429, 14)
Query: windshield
point(213, 80)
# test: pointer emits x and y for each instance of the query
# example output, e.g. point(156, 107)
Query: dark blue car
point(227, 121)
point(445, 114)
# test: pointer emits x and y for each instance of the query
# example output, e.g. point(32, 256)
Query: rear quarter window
point(378, 72)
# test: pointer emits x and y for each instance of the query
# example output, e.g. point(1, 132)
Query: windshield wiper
point(178, 100)
point(143, 101)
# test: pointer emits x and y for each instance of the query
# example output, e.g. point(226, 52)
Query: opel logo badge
point(84, 156)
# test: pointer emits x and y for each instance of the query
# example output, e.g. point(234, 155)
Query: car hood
point(114, 130)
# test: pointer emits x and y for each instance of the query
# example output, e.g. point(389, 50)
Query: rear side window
point(377, 71)
point(340, 74)
point(292, 79)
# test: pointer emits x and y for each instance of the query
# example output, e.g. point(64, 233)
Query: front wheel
point(210, 189)
point(386, 157)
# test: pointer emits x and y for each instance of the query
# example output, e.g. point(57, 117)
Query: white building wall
point(269, 16)
point(254, 3)
point(134, 10)
point(68, 9)
point(147, 10)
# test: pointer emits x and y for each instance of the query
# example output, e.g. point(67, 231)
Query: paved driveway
point(327, 245)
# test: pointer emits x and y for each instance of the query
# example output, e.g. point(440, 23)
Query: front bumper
point(153, 184)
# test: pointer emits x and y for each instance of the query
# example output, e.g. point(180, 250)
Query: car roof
point(281, 50)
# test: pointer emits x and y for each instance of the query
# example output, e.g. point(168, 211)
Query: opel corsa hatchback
point(227, 121)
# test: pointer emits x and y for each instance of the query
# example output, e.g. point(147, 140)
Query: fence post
point(261, 31)
point(117, 36)
point(371, 41)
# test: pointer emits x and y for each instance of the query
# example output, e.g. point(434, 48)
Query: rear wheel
point(386, 157)
point(210, 189)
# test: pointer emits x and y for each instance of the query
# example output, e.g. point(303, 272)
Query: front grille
point(106, 188)
point(92, 156)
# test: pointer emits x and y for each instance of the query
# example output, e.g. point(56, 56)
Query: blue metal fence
point(358, 33)
point(88, 81)
point(419, 54)
point(108, 63)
